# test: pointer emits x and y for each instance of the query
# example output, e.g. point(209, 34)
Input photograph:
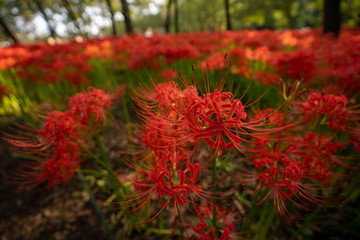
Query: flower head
point(91, 105)
point(56, 146)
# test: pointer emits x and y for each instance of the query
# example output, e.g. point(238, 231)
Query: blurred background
point(51, 50)
point(34, 20)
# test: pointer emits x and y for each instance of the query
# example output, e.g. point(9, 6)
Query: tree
point(176, 16)
point(16, 17)
point(41, 9)
point(228, 18)
point(111, 10)
point(199, 15)
point(168, 16)
point(7, 30)
point(72, 15)
point(126, 13)
point(332, 17)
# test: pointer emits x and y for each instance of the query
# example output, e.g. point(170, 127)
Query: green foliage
point(194, 15)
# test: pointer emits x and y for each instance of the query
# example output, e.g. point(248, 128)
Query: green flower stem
point(266, 220)
point(159, 231)
point(105, 164)
point(214, 190)
point(318, 121)
point(102, 150)
point(92, 155)
point(296, 234)
point(92, 172)
point(95, 206)
point(127, 117)
point(105, 159)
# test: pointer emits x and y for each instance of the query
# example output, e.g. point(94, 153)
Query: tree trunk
point(8, 31)
point(72, 15)
point(46, 18)
point(126, 13)
point(228, 18)
point(332, 17)
point(269, 20)
point(111, 10)
point(168, 17)
point(176, 16)
point(287, 13)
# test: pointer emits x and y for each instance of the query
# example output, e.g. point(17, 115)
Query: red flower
point(214, 61)
point(58, 127)
point(59, 169)
point(168, 74)
point(174, 182)
point(296, 65)
point(214, 115)
point(285, 171)
point(56, 146)
point(333, 109)
point(317, 154)
point(56, 153)
point(90, 106)
point(205, 230)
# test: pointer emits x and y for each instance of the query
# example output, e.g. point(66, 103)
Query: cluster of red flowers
point(176, 122)
point(58, 144)
point(289, 152)
point(49, 64)
point(332, 110)
point(226, 219)
point(291, 54)
point(292, 169)
point(287, 167)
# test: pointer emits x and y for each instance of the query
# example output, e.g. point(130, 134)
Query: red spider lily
point(56, 150)
point(162, 146)
point(170, 175)
point(221, 121)
point(162, 109)
point(172, 186)
point(49, 64)
point(262, 38)
point(331, 107)
point(226, 224)
point(58, 170)
point(278, 172)
point(270, 116)
point(318, 102)
point(214, 61)
point(57, 144)
point(168, 74)
point(214, 114)
point(168, 96)
point(317, 154)
point(59, 126)
point(262, 54)
point(217, 117)
point(284, 178)
point(286, 175)
point(295, 65)
point(265, 77)
point(311, 53)
point(88, 105)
